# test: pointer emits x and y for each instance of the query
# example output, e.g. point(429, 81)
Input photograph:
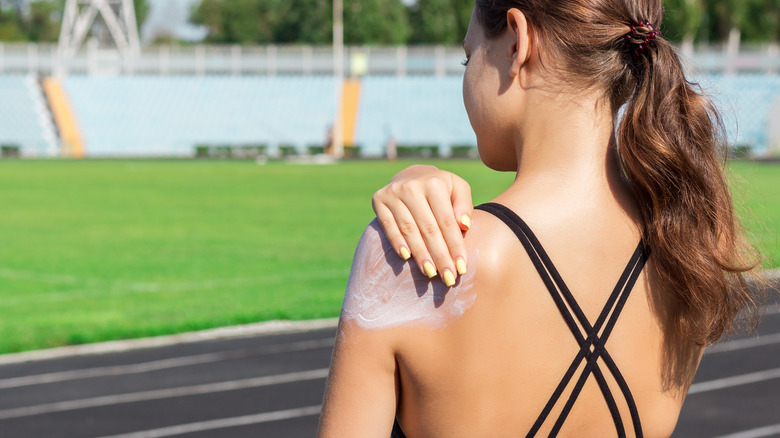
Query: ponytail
point(668, 141)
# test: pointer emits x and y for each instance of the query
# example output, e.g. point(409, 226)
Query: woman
point(591, 284)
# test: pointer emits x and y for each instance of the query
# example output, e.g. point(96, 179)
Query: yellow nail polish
point(448, 278)
point(466, 221)
point(430, 271)
point(405, 253)
point(461, 266)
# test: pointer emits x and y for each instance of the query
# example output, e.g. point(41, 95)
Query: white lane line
point(741, 344)
point(728, 382)
point(176, 362)
point(756, 341)
point(223, 423)
point(240, 331)
point(756, 433)
point(184, 391)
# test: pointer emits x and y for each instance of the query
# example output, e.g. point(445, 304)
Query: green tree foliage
point(44, 21)
point(301, 21)
point(375, 22)
point(238, 21)
point(305, 21)
point(682, 19)
point(446, 21)
point(463, 9)
point(41, 20)
point(723, 16)
point(388, 21)
point(10, 21)
point(435, 22)
point(440, 21)
point(761, 21)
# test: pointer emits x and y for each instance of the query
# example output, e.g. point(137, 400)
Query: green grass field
point(101, 250)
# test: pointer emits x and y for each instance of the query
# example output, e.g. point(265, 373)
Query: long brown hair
point(669, 140)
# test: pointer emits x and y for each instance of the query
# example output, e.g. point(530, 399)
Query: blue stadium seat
point(744, 101)
point(24, 119)
point(170, 115)
point(415, 110)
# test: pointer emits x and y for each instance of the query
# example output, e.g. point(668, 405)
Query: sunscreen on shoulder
point(384, 291)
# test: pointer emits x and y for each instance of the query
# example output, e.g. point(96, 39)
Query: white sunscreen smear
point(385, 291)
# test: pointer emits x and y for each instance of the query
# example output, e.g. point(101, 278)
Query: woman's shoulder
point(384, 291)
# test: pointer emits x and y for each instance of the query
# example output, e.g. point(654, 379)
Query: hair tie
point(641, 39)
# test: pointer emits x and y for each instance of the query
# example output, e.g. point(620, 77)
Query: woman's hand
point(424, 212)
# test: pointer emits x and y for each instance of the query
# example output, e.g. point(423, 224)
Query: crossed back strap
point(593, 341)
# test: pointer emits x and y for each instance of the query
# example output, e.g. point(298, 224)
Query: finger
point(431, 233)
point(393, 233)
point(462, 203)
point(455, 247)
point(411, 233)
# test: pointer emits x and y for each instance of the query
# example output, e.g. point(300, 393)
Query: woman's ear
point(520, 33)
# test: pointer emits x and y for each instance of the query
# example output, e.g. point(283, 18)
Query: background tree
point(301, 21)
point(682, 20)
point(10, 22)
point(463, 10)
point(306, 21)
point(44, 20)
point(438, 21)
point(40, 21)
point(435, 22)
point(375, 22)
point(238, 21)
point(762, 21)
point(725, 19)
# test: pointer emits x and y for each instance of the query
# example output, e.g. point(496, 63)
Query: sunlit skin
point(490, 371)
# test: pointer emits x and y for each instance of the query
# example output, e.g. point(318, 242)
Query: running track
point(271, 386)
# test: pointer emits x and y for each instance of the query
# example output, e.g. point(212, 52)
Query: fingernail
point(405, 253)
point(466, 221)
point(461, 266)
point(430, 271)
point(448, 278)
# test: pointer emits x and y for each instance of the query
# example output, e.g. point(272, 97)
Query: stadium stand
point(171, 115)
point(415, 110)
point(25, 121)
point(745, 101)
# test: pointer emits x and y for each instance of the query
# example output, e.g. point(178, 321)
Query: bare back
point(484, 357)
point(491, 372)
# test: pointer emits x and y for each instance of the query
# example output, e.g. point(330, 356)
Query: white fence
point(43, 59)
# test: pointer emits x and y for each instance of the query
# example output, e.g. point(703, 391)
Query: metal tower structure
point(119, 19)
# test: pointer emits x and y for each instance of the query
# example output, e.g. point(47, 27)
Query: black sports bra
point(592, 341)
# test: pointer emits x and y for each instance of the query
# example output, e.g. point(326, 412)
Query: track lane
point(288, 409)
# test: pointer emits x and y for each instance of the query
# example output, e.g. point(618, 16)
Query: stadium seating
point(745, 101)
point(420, 110)
point(24, 119)
point(415, 110)
point(170, 115)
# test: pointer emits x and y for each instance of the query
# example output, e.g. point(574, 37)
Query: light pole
point(338, 73)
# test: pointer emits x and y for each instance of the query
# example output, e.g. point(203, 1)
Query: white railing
point(44, 59)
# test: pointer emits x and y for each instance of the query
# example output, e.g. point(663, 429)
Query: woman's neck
point(567, 146)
